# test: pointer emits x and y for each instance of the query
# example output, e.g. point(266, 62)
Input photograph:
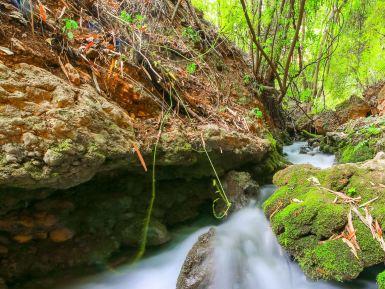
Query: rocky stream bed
point(243, 252)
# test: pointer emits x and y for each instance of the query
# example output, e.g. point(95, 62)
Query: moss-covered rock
point(381, 280)
point(356, 141)
point(311, 220)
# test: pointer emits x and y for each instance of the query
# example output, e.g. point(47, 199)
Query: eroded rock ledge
point(310, 214)
point(72, 190)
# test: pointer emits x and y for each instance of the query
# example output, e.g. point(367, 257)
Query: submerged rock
point(310, 214)
point(197, 270)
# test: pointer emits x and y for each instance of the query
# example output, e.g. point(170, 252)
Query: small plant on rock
point(372, 130)
point(191, 34)
point(69, 27)
point(191, 68)
point(247, 79)
point(257, 113)
point(126, 17)
point(352, 192)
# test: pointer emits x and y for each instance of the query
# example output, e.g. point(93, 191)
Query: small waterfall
point(247, 254)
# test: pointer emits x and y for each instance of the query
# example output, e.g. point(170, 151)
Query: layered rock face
point(331, 220)
point(55, 135)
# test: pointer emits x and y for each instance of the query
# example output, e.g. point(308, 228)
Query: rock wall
point(73, 191)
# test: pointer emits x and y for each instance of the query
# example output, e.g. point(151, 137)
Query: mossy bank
point(357, 140)
point(319, 217)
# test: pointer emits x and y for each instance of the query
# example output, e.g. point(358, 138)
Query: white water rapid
point(247, 255)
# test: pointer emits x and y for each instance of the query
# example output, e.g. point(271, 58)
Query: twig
point(175, 10)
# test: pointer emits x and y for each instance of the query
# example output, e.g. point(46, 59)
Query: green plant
point(147, 220)
point(191, 68)
point(381, 280)
point(69, 27)
point(218, 188)
point(257, 113)
point(126, 17)
point(352, 192)
point(191, 34)
point(247, 79)
point(372, 130)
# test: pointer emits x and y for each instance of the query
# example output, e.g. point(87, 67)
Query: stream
point(247, 254)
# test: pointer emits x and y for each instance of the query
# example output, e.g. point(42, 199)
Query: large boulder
point(72, 188)
point(353, 108)
point(375, 97)
point(197, 270)
point(331, 220)
point(54, 135)
point(240, 189)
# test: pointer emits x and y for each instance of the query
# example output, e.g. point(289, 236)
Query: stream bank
point(245, 244)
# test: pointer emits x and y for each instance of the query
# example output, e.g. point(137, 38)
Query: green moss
point(279, 200)
point(381, 280)
point(64, 146)
point(357, 153)
point(331, 260)
point(331, 218)
point(304, 215)
point(271, 140)
point(370, 250)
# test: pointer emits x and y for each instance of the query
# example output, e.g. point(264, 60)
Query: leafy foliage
point(340, 48)
point(257, 113)
point(191, 68)
point(191, 34)
point(69, 27)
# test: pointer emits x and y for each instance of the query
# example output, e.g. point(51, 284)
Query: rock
point(375, 97)
point(22, 239)
point(240, 188)
point(73, 75)
point(3, 250)
point(311, 221)
point(357, 140)
point(52, 122)
point(157, 233)
point(29, 138)
point(53, 158)
point(61, 235)
point(17, 45)
point(304, 150)
point(3, 285)
point(351, 109)
point(197, 270)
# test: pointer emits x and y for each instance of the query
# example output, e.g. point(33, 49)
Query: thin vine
point(147, 220)
point(217, 184)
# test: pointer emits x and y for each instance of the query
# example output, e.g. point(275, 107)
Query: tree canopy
point(315, 51)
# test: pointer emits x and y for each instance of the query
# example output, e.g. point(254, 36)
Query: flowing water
point(247, 255)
